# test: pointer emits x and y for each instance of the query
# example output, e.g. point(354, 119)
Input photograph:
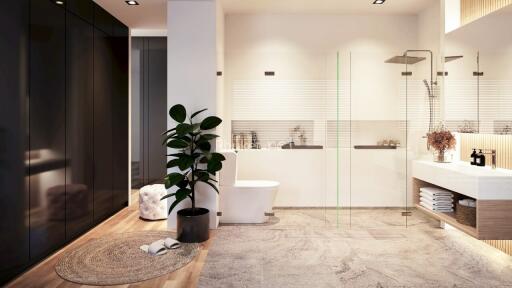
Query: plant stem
point(193, 183)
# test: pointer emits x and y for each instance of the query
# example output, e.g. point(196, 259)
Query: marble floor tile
point(314, 248)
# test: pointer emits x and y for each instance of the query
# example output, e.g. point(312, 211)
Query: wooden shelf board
point(449, 218)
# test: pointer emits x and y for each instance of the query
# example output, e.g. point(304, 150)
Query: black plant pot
point(193, 227)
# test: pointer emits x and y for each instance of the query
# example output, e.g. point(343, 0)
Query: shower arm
point(432, 83)
point(431, 65)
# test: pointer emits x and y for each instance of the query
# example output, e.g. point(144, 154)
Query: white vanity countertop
point(481, 183)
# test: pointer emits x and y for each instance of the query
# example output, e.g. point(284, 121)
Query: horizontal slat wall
point(503, 245)
point(502, 144)
point(471, 10)
point(272, 108)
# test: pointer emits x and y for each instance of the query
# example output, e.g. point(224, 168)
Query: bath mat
point(117, 259)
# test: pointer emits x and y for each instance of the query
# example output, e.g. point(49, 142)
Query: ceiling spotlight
point(379, 1)
point(132, 2)
point(59, 2)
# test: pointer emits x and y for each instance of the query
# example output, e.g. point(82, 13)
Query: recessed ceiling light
point(132, 2)
point(59, 2)
point(379, 1)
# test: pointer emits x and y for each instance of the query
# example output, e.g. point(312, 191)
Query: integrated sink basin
point(481, 183)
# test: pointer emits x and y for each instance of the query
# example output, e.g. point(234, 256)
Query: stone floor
point(360, 248)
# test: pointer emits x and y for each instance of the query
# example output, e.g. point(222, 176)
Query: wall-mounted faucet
point(491, 152)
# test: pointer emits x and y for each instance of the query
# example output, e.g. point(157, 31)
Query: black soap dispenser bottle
point(473, 157)
point(480, 159)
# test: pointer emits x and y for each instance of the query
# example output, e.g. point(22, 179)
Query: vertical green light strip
point(337, 138)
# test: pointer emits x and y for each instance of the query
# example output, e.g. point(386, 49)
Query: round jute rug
point(117, 259)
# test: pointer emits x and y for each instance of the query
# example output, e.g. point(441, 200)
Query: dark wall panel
point(14, 38)
point(120, 116)
point(149, 109)
point(102, 126)
point(79, 120)
point(157, 107)
point(47, 127)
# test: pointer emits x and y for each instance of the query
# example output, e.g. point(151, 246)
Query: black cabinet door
point(82, 8)
point(102, 126)
point(47, 127)
point(79, 125)
point(120, 115)
point(14, 21)
point(103, 20)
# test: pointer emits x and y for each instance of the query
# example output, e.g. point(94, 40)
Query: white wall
point(495, 53)
point(452, 15)
point(191, 73)
point(303, 48)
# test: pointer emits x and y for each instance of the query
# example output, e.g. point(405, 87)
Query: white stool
point(150, 206)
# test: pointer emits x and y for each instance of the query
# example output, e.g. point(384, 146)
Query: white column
point(191, 75)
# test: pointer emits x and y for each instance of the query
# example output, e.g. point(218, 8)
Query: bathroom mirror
point(478, 75)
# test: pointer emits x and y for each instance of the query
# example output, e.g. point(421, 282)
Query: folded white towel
point(436, 209)
point(434, 198)
point(434, 191)
point(437, 203)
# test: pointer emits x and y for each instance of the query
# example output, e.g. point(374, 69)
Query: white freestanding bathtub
point(244, 201)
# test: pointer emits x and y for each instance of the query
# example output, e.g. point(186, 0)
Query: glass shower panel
point(279, 114)
point(377, 141)
point(494, 90)
point(461, 95)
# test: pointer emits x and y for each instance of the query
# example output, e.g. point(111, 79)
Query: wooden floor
point(43, 274)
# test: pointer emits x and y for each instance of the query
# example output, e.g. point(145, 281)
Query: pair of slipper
point(160, 247)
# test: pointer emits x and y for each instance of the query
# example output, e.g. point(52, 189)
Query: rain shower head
point(409, 60)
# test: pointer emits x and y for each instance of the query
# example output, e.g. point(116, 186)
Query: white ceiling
point(152, 14)
point(325, 6)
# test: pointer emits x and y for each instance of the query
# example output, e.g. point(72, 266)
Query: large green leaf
point(210, 122)
point(212, 185)
point(176, 154)
point(207, 137)
point(185, 162)
point(173, 179)
point(183, 128)
point(183, 183)
point(202, 176)
point(197, 113)
point(168, 137)
point(178, 113)
point(178, 144)
point(181, 195)
point(170, 130)
point(167, 196)
point(204, 146)
point(217, 157)
point(214, 166)
point(173, 163)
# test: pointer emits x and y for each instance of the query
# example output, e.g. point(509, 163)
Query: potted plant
point(441, 140)
point(196, 164)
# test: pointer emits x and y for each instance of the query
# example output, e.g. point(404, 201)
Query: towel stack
point(436, 199)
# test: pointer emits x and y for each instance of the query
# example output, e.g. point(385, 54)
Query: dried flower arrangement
point(441, 140)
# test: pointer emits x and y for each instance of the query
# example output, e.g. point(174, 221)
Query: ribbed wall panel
point(502, 144)
point(503, 245)
point(471, 10)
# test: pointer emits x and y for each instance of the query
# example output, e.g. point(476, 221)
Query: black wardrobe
point(63, 125)
point(149, 109)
